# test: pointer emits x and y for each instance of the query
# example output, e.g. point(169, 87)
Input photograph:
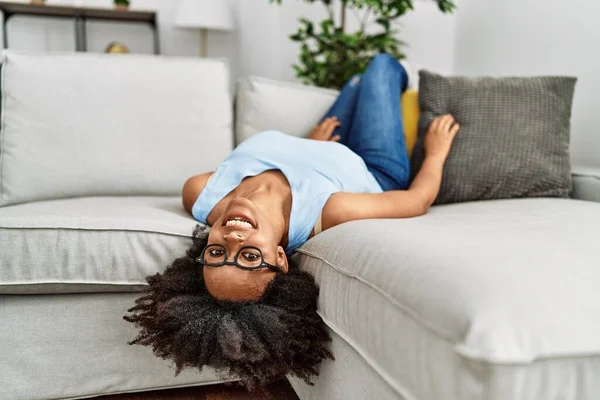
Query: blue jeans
point(369, 110)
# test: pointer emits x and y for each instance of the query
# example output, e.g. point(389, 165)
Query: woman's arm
point(192, 188)
point(343, 207)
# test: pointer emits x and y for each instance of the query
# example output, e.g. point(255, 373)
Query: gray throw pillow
point(514, 137)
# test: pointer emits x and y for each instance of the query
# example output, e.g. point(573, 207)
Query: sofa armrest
point(586, 183)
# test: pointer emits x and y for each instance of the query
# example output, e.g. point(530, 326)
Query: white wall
point(259, 45)
point(35, 34)
point(533, 37)
point(265, 49)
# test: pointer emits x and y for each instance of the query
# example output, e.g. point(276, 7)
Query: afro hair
point(254, 342)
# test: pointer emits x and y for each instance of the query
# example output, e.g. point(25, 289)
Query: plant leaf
point(329, 56)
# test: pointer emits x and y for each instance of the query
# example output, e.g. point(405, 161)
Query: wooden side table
point(79, 15)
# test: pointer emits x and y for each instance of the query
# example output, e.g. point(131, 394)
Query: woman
point(236, 302)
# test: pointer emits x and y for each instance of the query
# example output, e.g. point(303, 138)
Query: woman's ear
point(282, 261)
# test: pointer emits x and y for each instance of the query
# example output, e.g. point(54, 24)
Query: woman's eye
point(216, 253)
point(251, 256)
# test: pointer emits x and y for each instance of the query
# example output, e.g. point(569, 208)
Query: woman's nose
point(234, 236)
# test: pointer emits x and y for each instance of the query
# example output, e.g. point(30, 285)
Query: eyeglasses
point(248, 258)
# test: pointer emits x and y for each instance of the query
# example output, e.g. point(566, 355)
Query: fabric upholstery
point(514, 137)
point(410, 118)
point(469, 300)
point(264, 104)
point(586, 184)
point(73, 346)
point(349, 377)
point(97, 124)
point(295, 109)
point(94, 244)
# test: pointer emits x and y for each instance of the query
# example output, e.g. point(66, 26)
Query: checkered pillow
point(514, 137)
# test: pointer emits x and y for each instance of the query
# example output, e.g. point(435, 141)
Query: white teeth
point(239, 222)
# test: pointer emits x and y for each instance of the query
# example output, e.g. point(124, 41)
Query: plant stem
point(365, 19)
point(343, 14)
point(329, 10)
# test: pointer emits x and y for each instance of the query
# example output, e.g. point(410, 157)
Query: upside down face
point(243, 233)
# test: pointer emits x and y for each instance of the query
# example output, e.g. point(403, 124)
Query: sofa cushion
point(514, 136)
point(74, 346)
point(586, 183)
point(91, 244)
point(264, 104)
point(295, 109)
point(469, 299)
point(97, 124)
point(410, 119)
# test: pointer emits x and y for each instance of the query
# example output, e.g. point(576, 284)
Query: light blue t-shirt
point(314, 169)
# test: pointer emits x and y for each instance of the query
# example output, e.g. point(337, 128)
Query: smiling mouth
point(239, 223)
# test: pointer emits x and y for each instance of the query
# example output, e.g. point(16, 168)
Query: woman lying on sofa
point(236, 302)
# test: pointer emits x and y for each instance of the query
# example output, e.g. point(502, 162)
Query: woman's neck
point(271, 192)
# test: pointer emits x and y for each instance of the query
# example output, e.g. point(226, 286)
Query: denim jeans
point(369, 110)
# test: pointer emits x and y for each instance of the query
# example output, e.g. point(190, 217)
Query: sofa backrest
point(97, 124)
point(264, 104)
point(294, 108)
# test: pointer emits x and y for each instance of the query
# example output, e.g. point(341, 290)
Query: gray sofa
point(487, 300)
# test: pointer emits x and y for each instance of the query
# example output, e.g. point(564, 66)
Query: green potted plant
point(122, 4)
point(329, 55)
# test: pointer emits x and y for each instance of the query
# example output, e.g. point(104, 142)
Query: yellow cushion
point(410, 116)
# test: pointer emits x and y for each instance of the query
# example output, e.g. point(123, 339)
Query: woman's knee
point(384, 61)
point(384, 64)
point(383, 58)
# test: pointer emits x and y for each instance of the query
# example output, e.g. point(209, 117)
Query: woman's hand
point(324, 130)
point(440, 136)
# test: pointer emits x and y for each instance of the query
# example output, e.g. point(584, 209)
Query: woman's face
point(243, 224)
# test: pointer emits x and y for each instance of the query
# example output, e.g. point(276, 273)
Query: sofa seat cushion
point(471, 300)
point(90, 244)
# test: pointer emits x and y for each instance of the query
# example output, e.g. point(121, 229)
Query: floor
point(278, 391)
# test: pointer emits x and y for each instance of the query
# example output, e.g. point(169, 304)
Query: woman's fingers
point(454, 130)
point(325, 129)
point(330, 121)
point(446, 123)
point(330, 125)
point(439, 123)
point(434, 124)
point(336, 138)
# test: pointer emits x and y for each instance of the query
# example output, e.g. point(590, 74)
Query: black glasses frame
point(235, 263)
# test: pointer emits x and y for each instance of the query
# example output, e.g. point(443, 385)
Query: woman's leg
point(377, 131)
point(344, 108)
